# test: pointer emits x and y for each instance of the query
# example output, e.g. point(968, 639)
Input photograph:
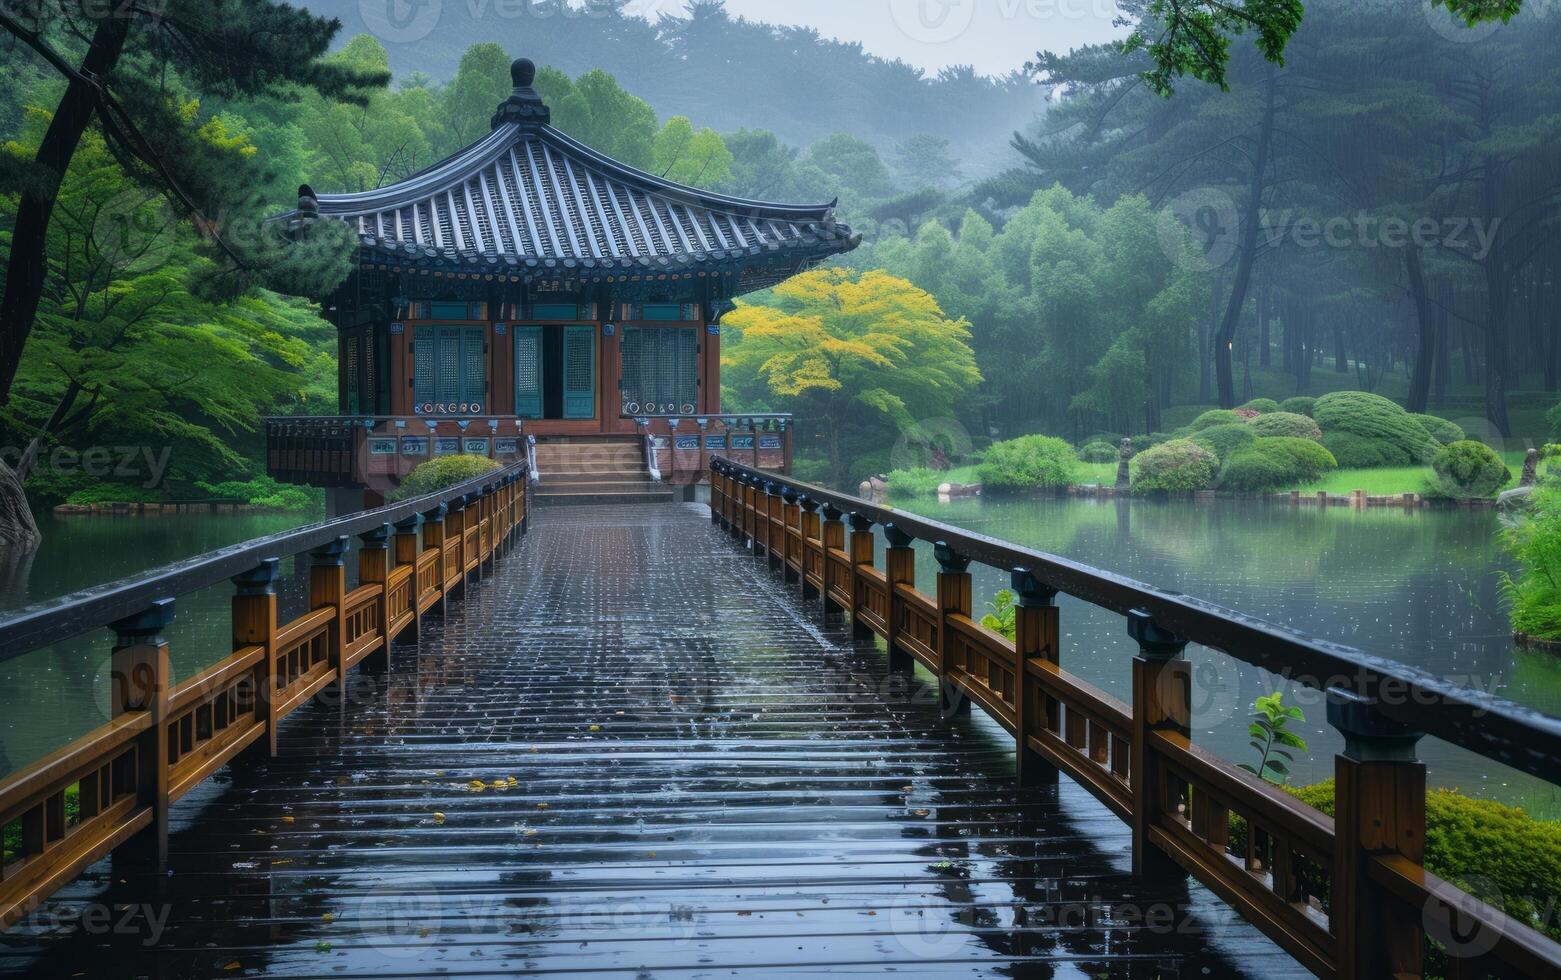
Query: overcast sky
point(994, 35)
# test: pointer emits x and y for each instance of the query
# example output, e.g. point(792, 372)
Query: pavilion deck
point(698, 780)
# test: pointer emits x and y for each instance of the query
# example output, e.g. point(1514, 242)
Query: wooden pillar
point(327, 588)
point(954, 599)
point(899, 567)
point(254, 624)
point(861, 557)
point(785, 431)
point(140, 681)
point(791, 534)
point(1035, 638)
point(811, 543)
point(406, 553)
point(832, 538)
point(374, 565)
point(1162, 699)
point(1379, 808)
point(717, 482)
point(762, 531)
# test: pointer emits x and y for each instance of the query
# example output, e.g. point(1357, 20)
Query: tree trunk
point(1341, 360)
point(1425, 350)
point(1247, 254)
point(18, 530)
point(1497, 303)
point(1264, 297)
point(27, 266)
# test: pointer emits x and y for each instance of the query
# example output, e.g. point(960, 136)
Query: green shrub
point(1178, 465)
point(1355, 452)
point(1029, 461)
point(1285, 424)
point(263, 491)
point(1275, 463)
point(1371, 416)
point(1112, 439)
point(1261, 405)
point(1222, 440)
point(1299, 405)
point(1534, 596)
point(1140, 443)
point(112, 493)
point(1309, 459)
point(1438, 428)
point(1098, 452)
point(1209, 419)
point(1468, 469)
point(1553, 419)
point(916, 481)
point(441, 472)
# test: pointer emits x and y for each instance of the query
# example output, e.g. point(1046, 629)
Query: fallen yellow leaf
point(287, 819)
point(328, 917)
point(438, 817)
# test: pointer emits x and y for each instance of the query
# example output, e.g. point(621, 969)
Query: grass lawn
point(1098, 473)
point(1387, 480)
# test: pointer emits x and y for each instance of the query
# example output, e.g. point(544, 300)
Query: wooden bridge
point(620, 744)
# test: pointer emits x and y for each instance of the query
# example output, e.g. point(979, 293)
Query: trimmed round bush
point(1178, 465)
point(1467, 468)
point(1098, 452)
point(1261, 405)
point(1355, 452)
point(1371, 416)
point(1027, 462)
point(1309, 459)
point(1142, 442)
point(1285, 424)
point(439, 473)
point(1223, 440)
point(1443, 431)
point(1251, 471)
point(1112, 439)
point(1209, 419)
point(1300, 405)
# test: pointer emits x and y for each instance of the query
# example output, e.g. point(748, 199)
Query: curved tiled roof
point(528, 199)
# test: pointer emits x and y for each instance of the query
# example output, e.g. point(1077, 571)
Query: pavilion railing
point(164, 738)
point(1347, 895)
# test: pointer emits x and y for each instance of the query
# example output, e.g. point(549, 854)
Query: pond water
point(1421, 587)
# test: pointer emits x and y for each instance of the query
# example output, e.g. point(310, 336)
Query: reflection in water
point(1420, 587)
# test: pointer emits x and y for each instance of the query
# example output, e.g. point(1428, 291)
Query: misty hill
point(721, 71)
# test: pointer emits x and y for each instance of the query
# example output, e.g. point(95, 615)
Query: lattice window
point(660, 371)
point(449, 370)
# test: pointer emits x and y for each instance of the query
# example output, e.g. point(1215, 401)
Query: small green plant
point(1002, 617)
point(1029, 462)
point(1176, 466)
point(1468, 469)
point(439, 473)
point(1272, 738)
point(1098, 452)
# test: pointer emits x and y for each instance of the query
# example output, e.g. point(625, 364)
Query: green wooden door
point(528, 372)
point(579, 372)
point(450, 373)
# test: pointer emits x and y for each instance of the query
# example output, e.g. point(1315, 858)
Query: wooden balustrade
point(163, 739)
point(1347, 895)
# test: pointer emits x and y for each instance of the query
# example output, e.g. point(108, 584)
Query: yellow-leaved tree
point(858, 357)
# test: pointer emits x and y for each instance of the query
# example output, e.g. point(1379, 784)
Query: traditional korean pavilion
point(528, 286)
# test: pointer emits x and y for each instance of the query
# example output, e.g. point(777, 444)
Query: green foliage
point(1275, 463)
point(263, 491)
point(1002, 617)
point(1285, 424)
point(1029, 462)
point(1218, 416)
point(1177, 465)
point(1272, 738)
point(1553, 420)
point(1306, 459)
point(1373, 417)
point(1261, 405)
point(112, 493)
point(439, 473)
point(1534, 541)
point(1355, 452)
point(1468, 469)
point(1142, 442)
point(1300, 405)
point(1443, 431)
point(916, 481)
point(1098, 452)
point(1223, 440)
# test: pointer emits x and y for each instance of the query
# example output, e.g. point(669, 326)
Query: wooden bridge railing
point(1347, 895)
point(162, 738)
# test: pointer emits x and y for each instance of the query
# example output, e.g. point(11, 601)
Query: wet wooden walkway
point(634, 752)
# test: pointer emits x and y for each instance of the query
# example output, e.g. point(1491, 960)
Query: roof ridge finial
point(524, 104)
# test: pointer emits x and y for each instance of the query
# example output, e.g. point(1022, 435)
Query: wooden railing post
point(374, 566)
point(761, 536)
point(454, 540)
point(1162, 700)
point(433, 540)
point(717, 483)
point(141, 680)
point(1379, 809)
point(954, 599)
point(406, 553)
point(899, 567)
point(254, 624)
point(832, 538)
point(861, 557)
point(1035, 638)
point(327, 588)
point(811, 543)
point(791, 534)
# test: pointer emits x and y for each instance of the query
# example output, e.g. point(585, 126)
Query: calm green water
point(1421, 587)
point(52, 695)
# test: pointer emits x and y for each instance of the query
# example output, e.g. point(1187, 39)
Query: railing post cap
point(145, 626)
point(259, 580)
point(897, 537)
point(1031, 592)
point(787, 494)
point(375, 538)
point(331, 552)
point(951, 561)
point(1153, 639)
point(832, 513)
point(807, 503)
point(408, 524)
point(861, 522)
point(1369, 735)
point(436, 516)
